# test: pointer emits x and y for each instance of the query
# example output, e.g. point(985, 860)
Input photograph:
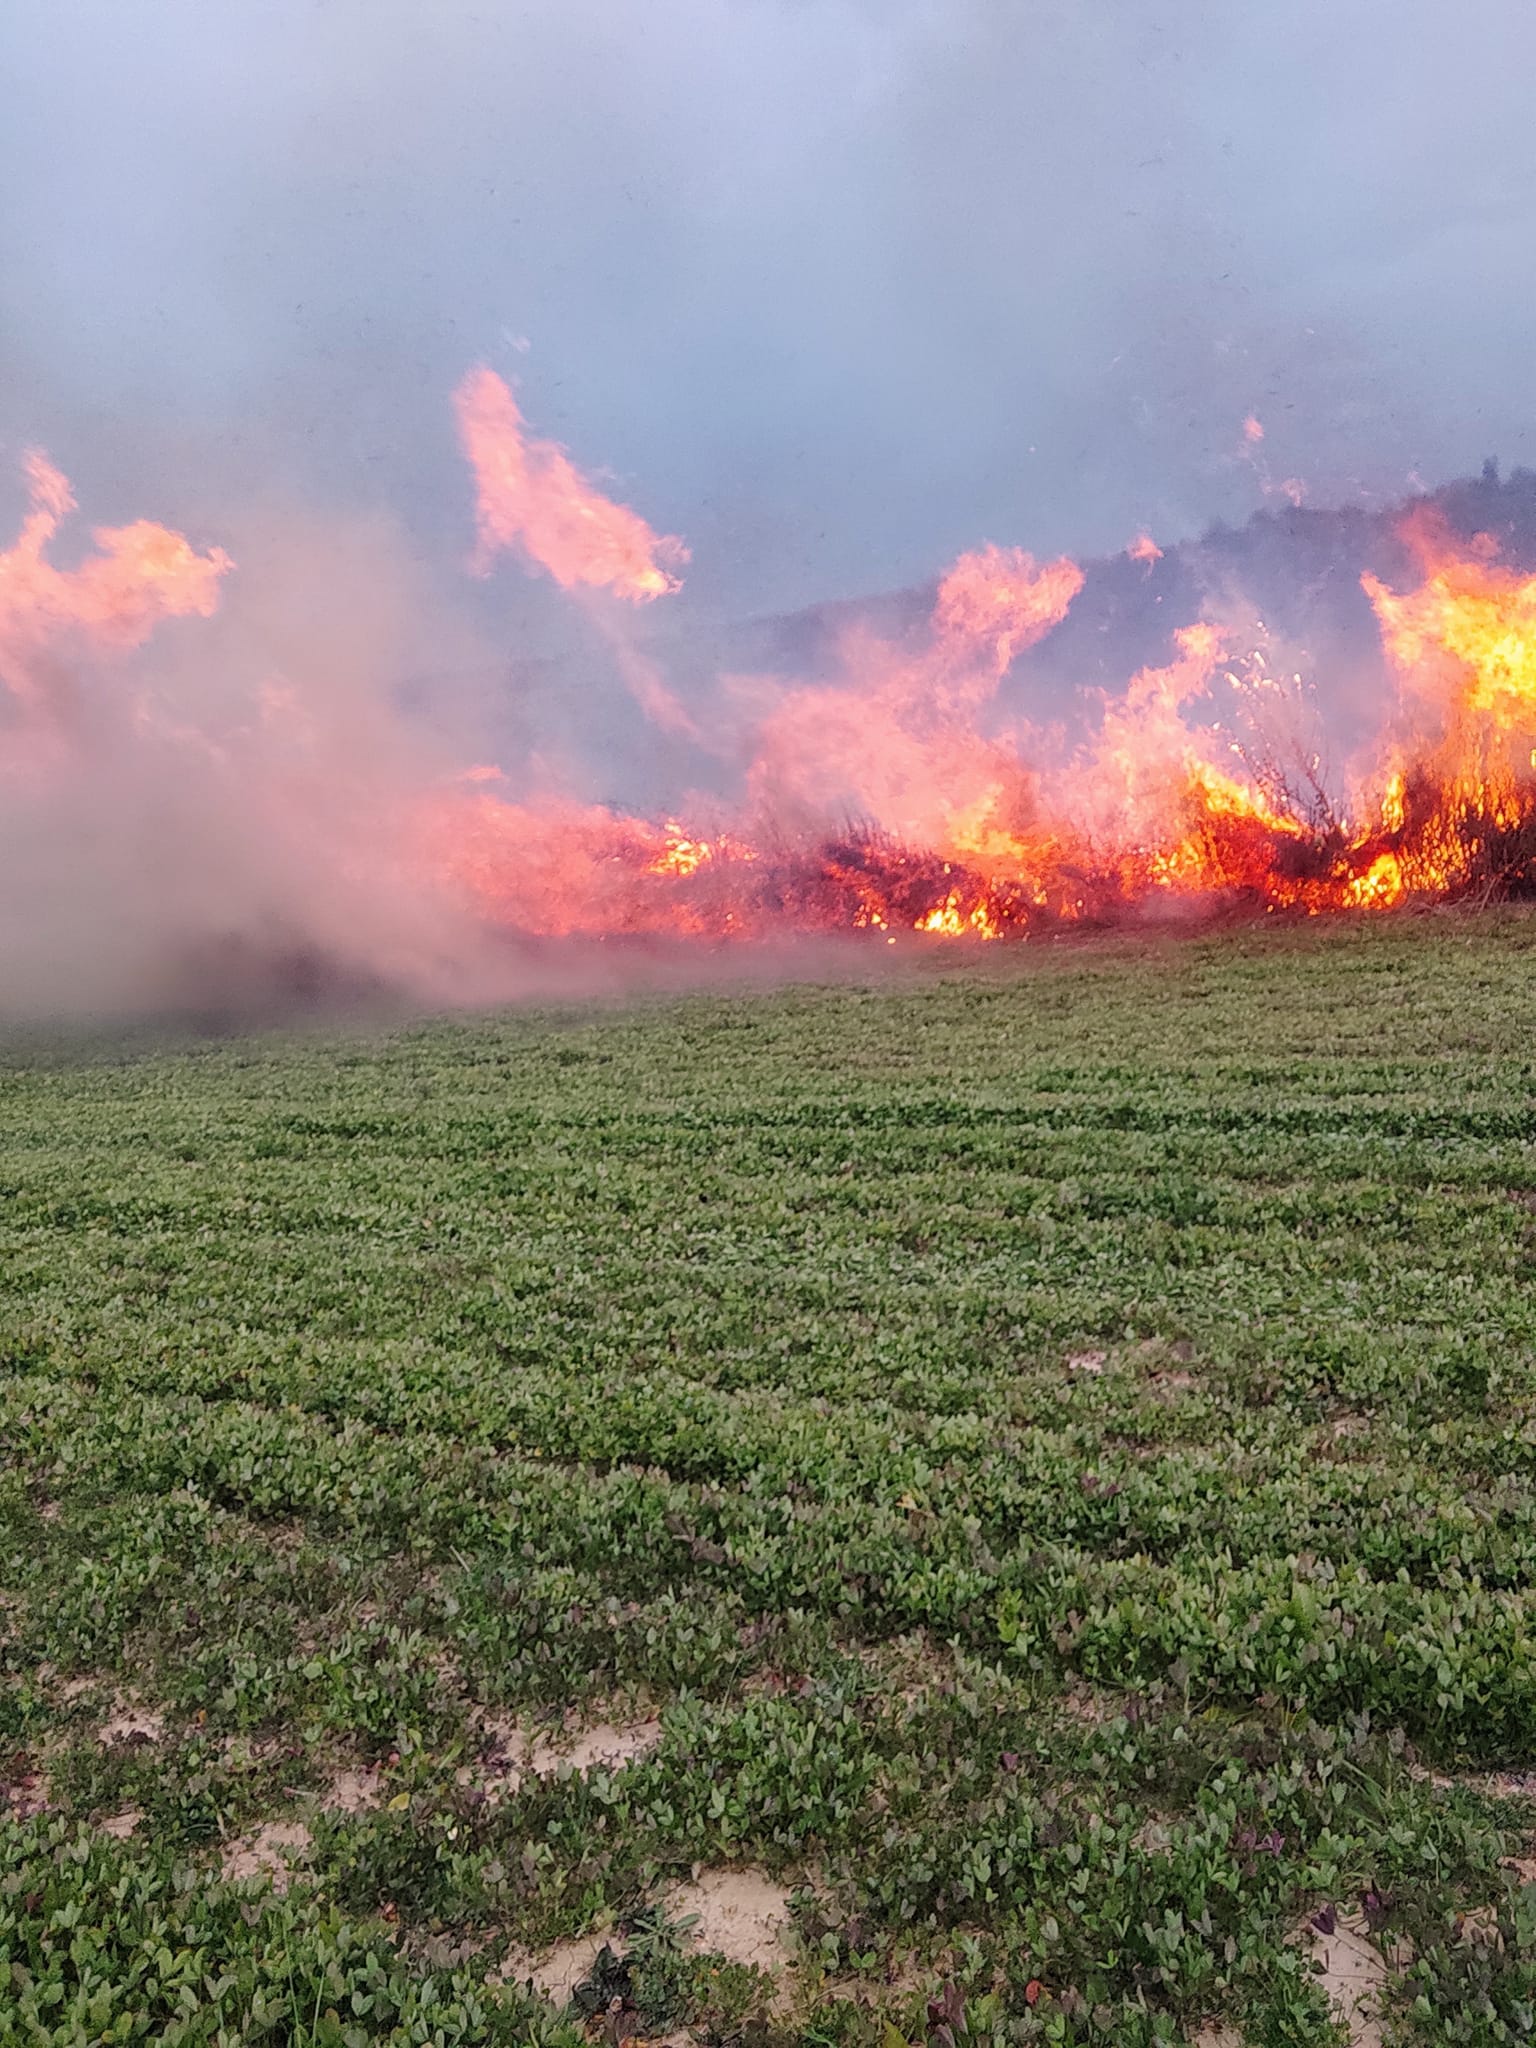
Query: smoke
point(847, 286)
point(223, 804)
point(838, 291)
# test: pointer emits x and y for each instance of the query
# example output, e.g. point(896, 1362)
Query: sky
point(833, 288)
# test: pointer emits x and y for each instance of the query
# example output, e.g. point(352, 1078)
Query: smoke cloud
point(836, 292)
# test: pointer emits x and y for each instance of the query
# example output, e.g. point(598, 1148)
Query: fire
point(139, 575)
point(1379, 887)
point(531, 497)
point(1467, 636)
point(955, 922)
point(895, 794)
point(998, 601)
point(975, 831)
point(680, 855)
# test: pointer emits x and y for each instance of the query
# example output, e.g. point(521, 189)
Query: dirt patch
point(131, 1723)
point(1154, 1837)
point(1091, 1362)
point(270, 1852)
point(1176, 1381)
point(741, 1914)
point(910, 1668)
point(555, 1975)
point(604, 1745)
point(1088, 1706)
point(510, 1754)
point(1478, 1927)
point(120, 1825)
point(1352, 1973)
point(246, 1752)
point(1350, 1424)
point(1216, 2034)
point(27, 1795)
point(353, 1792)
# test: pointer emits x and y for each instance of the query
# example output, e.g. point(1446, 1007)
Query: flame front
point(893, 794)
point(954, 827)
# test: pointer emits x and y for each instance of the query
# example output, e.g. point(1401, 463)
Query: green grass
point(710, 1356)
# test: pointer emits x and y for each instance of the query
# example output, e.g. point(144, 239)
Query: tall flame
point(893, 793)
point(531, 497)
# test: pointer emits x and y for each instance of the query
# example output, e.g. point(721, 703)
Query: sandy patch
point(245, 1752)
point(604, 1745)
point(267, 1853)
point(1351, 1423)
point(556, 1975)
point(131, 1723)
point(910, 1668)
point(1478, 1927)
point(510, 1755)
point(1154, 1837)
point(741, 1915)
point(353, 1792)
point(27, 1795)
point(1352, 1974)
point(1089, 1706)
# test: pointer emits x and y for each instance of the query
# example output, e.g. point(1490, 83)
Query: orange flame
point(140, 574)
point(530, 496)
point(895, 794)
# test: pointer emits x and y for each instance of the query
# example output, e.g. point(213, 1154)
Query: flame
point(680, 855)
point(139, 575)
point(896, 793)
point(1379, 887)
point(968, 837)
point(997, 601)
point(531, 497)
point(1466, 636)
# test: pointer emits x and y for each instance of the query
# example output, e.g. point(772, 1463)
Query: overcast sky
point(834, 288)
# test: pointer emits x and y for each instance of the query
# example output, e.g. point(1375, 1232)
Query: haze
point(834, 289)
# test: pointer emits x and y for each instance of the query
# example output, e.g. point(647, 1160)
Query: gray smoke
point(835, 288)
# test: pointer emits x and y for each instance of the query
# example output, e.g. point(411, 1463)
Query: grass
point(1053, 1437)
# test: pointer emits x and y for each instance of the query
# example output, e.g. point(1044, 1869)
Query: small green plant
point(1042, 1451)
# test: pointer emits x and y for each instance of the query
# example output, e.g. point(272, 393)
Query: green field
point(1050, 1439)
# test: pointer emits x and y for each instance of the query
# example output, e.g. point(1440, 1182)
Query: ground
point(1009, 1484)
